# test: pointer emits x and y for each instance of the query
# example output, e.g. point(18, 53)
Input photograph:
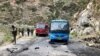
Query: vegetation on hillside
point(57, 9)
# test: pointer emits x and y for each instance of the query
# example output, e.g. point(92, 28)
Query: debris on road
point(93, 42)
point(17, 49)
point(36, 47)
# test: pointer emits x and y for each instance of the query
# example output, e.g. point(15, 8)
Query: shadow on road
point(42, 35)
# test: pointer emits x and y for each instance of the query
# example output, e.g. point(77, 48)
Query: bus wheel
point(51, 42)
point(37, 34)
point(66, 43)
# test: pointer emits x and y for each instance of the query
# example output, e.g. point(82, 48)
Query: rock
point(90, 44)
point(73, 30)
point(80, 41)
point(67, 51)
point(36, 47)
point(25, 49)
point(86, 14)
point(85, 20)
point(88, 30)
point(97, 41)
point(97, 24)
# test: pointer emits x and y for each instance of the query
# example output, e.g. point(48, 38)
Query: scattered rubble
point(93, 42)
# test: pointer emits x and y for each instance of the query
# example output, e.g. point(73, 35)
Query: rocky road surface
point(41, 47)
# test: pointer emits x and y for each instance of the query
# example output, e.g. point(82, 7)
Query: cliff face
point(88, 22)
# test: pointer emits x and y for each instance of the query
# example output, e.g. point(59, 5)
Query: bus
point(59, 30)
point(42, 29)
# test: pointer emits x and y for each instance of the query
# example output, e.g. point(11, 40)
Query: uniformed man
point(32, 32)
point(22, 31)
point(28, 31)
point(14, 33)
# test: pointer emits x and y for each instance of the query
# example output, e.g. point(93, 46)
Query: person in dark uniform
point(22, 31)
point(19, 30)
point(14, 33)
point(31, 31)
point(28, 31)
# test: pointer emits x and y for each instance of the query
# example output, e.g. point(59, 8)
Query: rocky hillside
point(88, 22)
point(30, 11)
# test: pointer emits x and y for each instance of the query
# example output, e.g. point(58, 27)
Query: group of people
point(28, 30)
point(16, 30)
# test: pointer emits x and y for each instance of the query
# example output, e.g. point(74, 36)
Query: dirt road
point(41, 47)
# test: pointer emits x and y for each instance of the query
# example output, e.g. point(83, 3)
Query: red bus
point(42, 29)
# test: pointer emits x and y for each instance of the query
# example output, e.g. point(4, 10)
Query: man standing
point(14, 33)
point(28, 31)
point(32, 32)
point(22, 31)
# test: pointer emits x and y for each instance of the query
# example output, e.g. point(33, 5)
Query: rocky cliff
point(87, 23)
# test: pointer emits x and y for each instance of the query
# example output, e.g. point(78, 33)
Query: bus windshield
point(59, 26)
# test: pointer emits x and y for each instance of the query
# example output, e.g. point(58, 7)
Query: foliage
point(96, 8)
point(7, 37)
point(20, 1)
point(55, 13)
point(72, 8)
point(35, 20)
point(7, 34)
point(33, 8)
point(9, 14)
point(5, 6)
point(74, 34)
point(83, 3)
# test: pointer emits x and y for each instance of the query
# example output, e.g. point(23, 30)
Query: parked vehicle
point(59, 30)
point(42, 29)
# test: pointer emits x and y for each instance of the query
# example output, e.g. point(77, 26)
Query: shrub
point(74, 34)
point(7, 37)
point(20, 1)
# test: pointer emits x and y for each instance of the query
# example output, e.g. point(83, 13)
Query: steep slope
point(30, 11)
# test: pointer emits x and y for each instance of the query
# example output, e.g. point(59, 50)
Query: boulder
point(85, 16)
point(86, 21)
point(73, 30)
point(88, 30)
